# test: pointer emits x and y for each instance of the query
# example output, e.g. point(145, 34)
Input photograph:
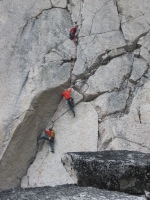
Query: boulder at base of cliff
point(122, 171)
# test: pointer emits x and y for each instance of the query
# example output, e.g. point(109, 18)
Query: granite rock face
point(111, 78)
point(66, 192)
point(131, 130)
point(112, 170)
point(135, 18)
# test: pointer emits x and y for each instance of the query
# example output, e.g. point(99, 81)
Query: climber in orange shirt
point(69, 99)
point(50, 137)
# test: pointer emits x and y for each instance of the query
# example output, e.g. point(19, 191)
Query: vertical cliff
point(110, 80)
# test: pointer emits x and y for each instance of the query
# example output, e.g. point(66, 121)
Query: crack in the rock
point(20, 116)
point(62, 62)
point(97, 12)
point(116, 113)
point(68, 61)
point(98, 134)
point(132, 142)
point(80, 11)
point(22, 87)
point(35, 17)
point(97, 34)
point(139, 114)
point(94, 96)
point(106, 60)
point(136, 40)
point(128, 103)
point(24, 83)
point(96, 64)
point(130, 97)
point(135, 18)
point(124, 80)
point(28, 182)
point(116, 3)
point(81, 14)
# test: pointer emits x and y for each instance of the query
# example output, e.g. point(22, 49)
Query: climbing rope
point(58, 108)
point(56, 116)
point(40, 169)
point(73, 59)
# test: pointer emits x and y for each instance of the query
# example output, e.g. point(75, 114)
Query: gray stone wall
point(110, 80)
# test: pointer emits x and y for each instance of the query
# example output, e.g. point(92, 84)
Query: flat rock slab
point(66, 192)
point(113, 170)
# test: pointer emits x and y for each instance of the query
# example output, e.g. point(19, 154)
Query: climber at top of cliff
point(69, 99)
point(73, 32)
point(49, 137)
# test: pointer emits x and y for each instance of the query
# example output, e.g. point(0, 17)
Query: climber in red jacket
point(69, 99)
point(50, 137)
point(73, 32)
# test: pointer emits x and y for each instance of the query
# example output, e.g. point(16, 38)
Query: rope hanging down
point(73, 59)
point(58, 108)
